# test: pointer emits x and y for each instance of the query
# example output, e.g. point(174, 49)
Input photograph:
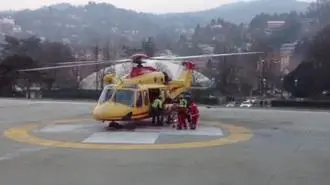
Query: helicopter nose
point(111, 111)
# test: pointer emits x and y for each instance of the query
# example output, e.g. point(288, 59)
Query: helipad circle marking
point(22, 134)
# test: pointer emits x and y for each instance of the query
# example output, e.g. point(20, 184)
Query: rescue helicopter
point(129, 98)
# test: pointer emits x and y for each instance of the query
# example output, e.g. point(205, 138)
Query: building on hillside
point(217, 26)
point(8, 26)
point(286, 52)
point(274, 26)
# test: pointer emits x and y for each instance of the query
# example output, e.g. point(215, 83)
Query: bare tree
point(126, 68)
point(96, 56)
point(106, 56)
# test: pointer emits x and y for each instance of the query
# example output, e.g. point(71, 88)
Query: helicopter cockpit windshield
point(106, 94)
point(124, 96)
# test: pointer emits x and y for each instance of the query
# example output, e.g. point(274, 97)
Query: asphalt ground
point(248, 146)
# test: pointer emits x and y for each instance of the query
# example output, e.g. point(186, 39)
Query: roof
point(275, 24)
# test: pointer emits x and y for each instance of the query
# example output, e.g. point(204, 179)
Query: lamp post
point(282, 87)
point(96, 56)
point(264, 81)
point(296, 85)
point(262, 75)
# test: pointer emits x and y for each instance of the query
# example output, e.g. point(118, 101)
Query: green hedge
point(301, 104)
point(207, 100)
point(71, 94)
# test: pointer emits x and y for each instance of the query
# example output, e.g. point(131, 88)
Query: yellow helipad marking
point(22, 134)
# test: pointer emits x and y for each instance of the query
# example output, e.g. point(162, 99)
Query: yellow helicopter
point(129, 98)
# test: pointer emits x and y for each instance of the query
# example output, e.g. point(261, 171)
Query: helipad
point(85, 134)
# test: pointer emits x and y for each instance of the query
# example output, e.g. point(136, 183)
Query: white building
point(274, 26)
point(8, 25)
point(286, 52)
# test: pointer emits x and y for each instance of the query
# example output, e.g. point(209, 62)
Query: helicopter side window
point(146, 98)
point(139, 102)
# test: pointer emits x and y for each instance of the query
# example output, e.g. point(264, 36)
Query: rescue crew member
point(156, 110)
point(168, 110)
point(188, 99)
point(194, 113)
point(182, 113)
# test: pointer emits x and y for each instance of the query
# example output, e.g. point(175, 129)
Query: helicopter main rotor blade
point(69, 66)
point(95, 62)
point(78, 62)
point(204, 56)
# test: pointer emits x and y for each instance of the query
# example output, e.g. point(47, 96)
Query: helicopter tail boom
point(183, 83)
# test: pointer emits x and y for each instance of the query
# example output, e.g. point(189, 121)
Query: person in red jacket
point(182, 113)
point(194, 113)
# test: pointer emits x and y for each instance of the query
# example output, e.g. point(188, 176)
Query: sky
point(153, 6)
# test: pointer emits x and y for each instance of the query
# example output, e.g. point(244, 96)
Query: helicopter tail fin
point(183, 83)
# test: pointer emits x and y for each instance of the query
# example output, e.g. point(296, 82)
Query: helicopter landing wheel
point(114, 125)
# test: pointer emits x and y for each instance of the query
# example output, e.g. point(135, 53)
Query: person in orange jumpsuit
point(194, 113)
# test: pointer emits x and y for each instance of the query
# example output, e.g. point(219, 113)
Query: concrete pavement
point(287, 147)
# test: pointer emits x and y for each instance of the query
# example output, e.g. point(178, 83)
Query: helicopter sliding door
point(141, 108)
point(153, 94)
point(146, 99)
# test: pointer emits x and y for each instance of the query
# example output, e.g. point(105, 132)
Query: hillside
point(86, 25)
point(243, 12)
